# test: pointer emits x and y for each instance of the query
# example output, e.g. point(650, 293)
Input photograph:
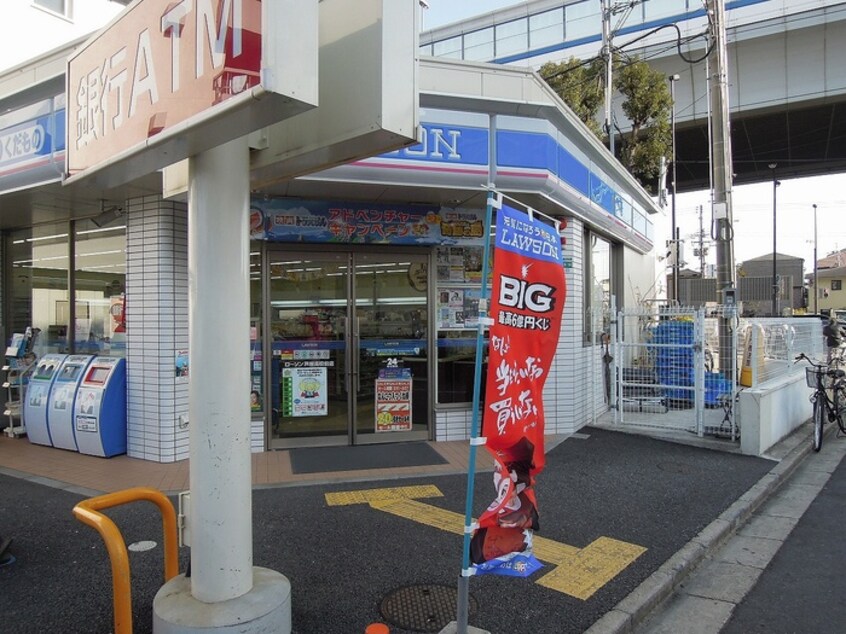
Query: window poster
point(451, 308)
point(304, 392)
point(393, 405)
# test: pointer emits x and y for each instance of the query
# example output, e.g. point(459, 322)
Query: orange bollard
point(377, 628)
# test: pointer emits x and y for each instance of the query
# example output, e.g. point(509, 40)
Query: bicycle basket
point(812, 373)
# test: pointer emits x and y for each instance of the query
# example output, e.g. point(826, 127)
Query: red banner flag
point(527, 300)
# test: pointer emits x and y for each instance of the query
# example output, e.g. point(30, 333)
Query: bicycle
point(827, 408)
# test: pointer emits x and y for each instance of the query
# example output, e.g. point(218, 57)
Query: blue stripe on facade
point(527, 150)
point(572, 172)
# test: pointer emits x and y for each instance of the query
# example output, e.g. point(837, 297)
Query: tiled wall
point(157, 327)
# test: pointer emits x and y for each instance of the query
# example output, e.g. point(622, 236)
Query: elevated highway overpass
point(787, 76)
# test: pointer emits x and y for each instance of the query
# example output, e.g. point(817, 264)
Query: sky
point(442, 12)
point(752, 204)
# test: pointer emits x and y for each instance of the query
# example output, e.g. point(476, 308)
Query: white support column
point(225, 593)
point(219, 331)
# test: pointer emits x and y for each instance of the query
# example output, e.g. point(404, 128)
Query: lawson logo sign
point(447, 144)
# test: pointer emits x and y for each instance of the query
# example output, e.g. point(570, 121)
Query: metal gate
point(665, 364)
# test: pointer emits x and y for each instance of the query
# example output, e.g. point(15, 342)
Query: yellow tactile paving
point(371, 496)
point(577, 572)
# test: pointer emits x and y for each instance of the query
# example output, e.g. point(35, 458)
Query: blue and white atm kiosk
point(35, 414)
point(60, 407)
point(100, 408)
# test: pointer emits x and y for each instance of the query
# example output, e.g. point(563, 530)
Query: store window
point(38, 264)
point(42, 281)
point(99, 288)
point(459, 278)
point(256, 359)
point(599, 285)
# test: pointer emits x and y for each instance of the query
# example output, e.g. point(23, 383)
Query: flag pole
point(494, 202)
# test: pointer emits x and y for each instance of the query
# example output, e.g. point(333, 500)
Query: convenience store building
point(365, 275)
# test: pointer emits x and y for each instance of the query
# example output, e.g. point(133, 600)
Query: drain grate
point(423, 608)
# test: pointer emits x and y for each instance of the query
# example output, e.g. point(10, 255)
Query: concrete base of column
point(266, 609)
point(452, 628)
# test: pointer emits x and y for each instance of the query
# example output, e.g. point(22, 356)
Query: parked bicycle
point(824, 379)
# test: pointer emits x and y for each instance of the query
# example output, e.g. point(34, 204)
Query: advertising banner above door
point(294, 220)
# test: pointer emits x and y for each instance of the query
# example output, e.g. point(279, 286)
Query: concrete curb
point(634, 609)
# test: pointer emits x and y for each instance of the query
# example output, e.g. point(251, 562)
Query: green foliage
point(580, 86)
point(647, 105)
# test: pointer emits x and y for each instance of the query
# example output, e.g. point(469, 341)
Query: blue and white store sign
point(532, 155)
point(32, 144)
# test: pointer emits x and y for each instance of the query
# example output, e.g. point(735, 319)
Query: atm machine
point(60, 406)
point(100, 408)
point(35, 414)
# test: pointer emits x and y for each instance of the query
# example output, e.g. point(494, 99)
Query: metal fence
point(768, 347)
point(682, 368)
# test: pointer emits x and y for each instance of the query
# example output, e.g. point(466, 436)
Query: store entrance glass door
point(391, 360)
point(349, 343)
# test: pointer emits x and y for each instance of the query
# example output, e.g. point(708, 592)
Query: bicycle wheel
point(840, 406)
point(819, 420)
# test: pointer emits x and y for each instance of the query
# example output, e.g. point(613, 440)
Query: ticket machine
point(100, 408)
point(35, 414)
point(60, 406)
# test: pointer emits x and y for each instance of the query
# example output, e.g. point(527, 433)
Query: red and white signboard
point(169, 79)
point(393, 405)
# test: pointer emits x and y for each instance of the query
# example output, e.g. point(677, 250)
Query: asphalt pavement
point(616, 510)
point(782, 571)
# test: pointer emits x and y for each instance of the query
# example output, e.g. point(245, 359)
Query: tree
point(580, 86)
point(647, 105)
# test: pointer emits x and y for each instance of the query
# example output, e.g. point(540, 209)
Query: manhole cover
point(425, 608)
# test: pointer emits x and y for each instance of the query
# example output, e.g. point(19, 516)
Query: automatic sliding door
point(390, 347)
point(308, 328)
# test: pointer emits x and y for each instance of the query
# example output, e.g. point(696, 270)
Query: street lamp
point(674, 237)
point(776, 183)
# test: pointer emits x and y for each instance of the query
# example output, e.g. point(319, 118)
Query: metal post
point(776, 183)
point(462, 612)
point(674, 232)
point(721, 171)
point(606, 52)
point(816, 289)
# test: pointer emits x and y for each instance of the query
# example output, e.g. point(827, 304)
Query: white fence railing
point(681, 368)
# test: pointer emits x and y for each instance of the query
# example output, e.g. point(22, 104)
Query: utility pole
point(673, 79)
point(816, 290)
point(776, 183)
point(609, 61)
point(701, 241)
point(607, 53)
point(721, 176)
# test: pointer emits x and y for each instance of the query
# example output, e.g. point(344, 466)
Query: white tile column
point(156, 328)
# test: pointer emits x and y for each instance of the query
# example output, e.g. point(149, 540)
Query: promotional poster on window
point(304, 392)
point(527, 300)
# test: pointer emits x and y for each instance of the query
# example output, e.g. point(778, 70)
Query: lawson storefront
point(365, 278)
